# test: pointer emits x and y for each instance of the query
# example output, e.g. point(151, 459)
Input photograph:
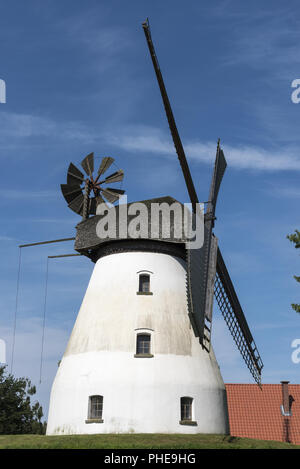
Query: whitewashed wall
point(140, 394)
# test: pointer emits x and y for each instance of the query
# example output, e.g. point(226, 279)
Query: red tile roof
point(255, 412)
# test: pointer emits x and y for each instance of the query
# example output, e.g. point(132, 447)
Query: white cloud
point(151, 140)
point(266, 40)
point(141, 139)
point(23, 194)
point(249, 157)
point(144, 139)
point(286, 192)
point(7, 238)
point(15, 125)
point(104, 44)
point(22, 126)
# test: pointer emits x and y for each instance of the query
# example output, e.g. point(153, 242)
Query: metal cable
point(44, 318)
point(15, 315)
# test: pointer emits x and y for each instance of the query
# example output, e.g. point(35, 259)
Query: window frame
point(94, 418)
point(144, 273)
point(146, 333)
point(184, 420)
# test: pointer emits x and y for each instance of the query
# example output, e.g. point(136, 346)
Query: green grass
point(137, 441)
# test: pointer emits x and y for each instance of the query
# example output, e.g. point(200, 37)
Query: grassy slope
point(137, 441)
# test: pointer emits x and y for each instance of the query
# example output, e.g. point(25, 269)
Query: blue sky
point(79, 79)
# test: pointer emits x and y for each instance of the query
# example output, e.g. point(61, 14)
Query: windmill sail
point(74, 176)
point(203, 263)
point(209, 298)
point(219, 170)
point(78, 197)
point(105, 164)
point(88, 164)
point(210, 245)
point(174, 132)
point(196, 293)
point(233, 314)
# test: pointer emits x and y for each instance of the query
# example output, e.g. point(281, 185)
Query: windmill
point(140, 357)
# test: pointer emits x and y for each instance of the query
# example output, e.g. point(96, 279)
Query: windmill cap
point(164, 219)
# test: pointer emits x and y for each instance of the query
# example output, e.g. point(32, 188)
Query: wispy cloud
point(7, 238)
point(141, 139)
point(145, 140)
point(23, 126)
point(103, 42)
point(287, 192)
point(250, 157)
point(11, 194)
point(267, 39)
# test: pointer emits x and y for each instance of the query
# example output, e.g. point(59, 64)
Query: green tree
point(295, 238)
point(17, 413)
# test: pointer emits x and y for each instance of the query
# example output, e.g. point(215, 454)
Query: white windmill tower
point(139, 358)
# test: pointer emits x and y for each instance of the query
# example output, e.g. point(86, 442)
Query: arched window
point(95, 409)
point(144, 282)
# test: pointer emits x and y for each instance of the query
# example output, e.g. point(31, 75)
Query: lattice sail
point(234, 317)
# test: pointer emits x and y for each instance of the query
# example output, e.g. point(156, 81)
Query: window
point(186, 408)
point(143, 345)
point(144, 283)
point(186, 411)
point(95, 409)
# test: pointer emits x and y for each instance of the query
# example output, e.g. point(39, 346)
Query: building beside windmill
point(140, 358)
point(269, 412)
